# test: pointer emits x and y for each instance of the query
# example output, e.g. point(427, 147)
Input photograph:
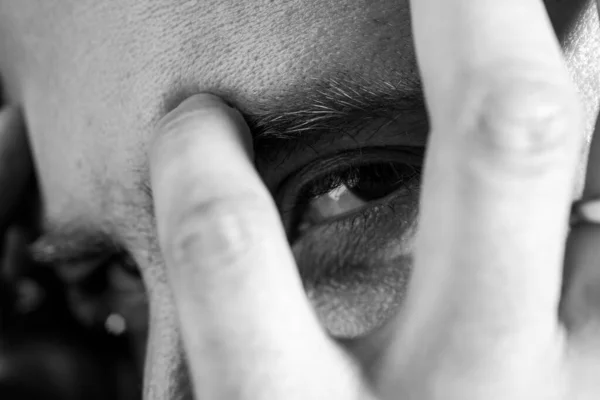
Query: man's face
point(330, 89)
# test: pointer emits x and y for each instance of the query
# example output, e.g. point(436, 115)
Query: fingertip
point(196, 115)
point(199, 141)
point(193, 108)
point(194, 103)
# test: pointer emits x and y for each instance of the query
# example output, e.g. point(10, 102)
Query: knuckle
point(527, 120)
point(219, 231)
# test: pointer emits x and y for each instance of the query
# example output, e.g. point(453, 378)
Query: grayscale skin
point(98, 84)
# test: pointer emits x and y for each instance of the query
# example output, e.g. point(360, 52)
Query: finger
point(498, 182)
point(15, 162)
point(247, 327)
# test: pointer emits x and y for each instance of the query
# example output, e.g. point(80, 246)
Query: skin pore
point(93, 78)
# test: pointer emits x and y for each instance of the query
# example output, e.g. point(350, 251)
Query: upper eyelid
point(280, 166)
point(352, 158)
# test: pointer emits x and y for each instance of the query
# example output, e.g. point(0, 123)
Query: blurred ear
point(15, 164)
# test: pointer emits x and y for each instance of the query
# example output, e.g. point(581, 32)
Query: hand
point(481, 319)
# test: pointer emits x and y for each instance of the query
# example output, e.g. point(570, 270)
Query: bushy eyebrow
point(337, 103)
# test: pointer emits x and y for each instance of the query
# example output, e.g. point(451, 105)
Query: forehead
point(93, 77)
point(248, 47)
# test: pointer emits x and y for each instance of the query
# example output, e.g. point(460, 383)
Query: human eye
point(348, 185)
point(350, 218)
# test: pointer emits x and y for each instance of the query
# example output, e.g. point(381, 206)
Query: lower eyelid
point(356, 269)
point(354, 309)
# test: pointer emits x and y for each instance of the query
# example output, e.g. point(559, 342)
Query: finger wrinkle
point(524, 124)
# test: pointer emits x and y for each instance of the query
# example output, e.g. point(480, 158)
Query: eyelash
point(335, 175)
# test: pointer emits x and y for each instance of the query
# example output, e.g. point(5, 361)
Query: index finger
point(247, 327)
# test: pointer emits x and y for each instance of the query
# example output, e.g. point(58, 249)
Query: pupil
point(375, 181)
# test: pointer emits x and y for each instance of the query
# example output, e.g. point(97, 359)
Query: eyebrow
point(333, 104)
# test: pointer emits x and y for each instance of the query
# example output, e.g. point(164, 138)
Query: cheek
point(166, 375)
